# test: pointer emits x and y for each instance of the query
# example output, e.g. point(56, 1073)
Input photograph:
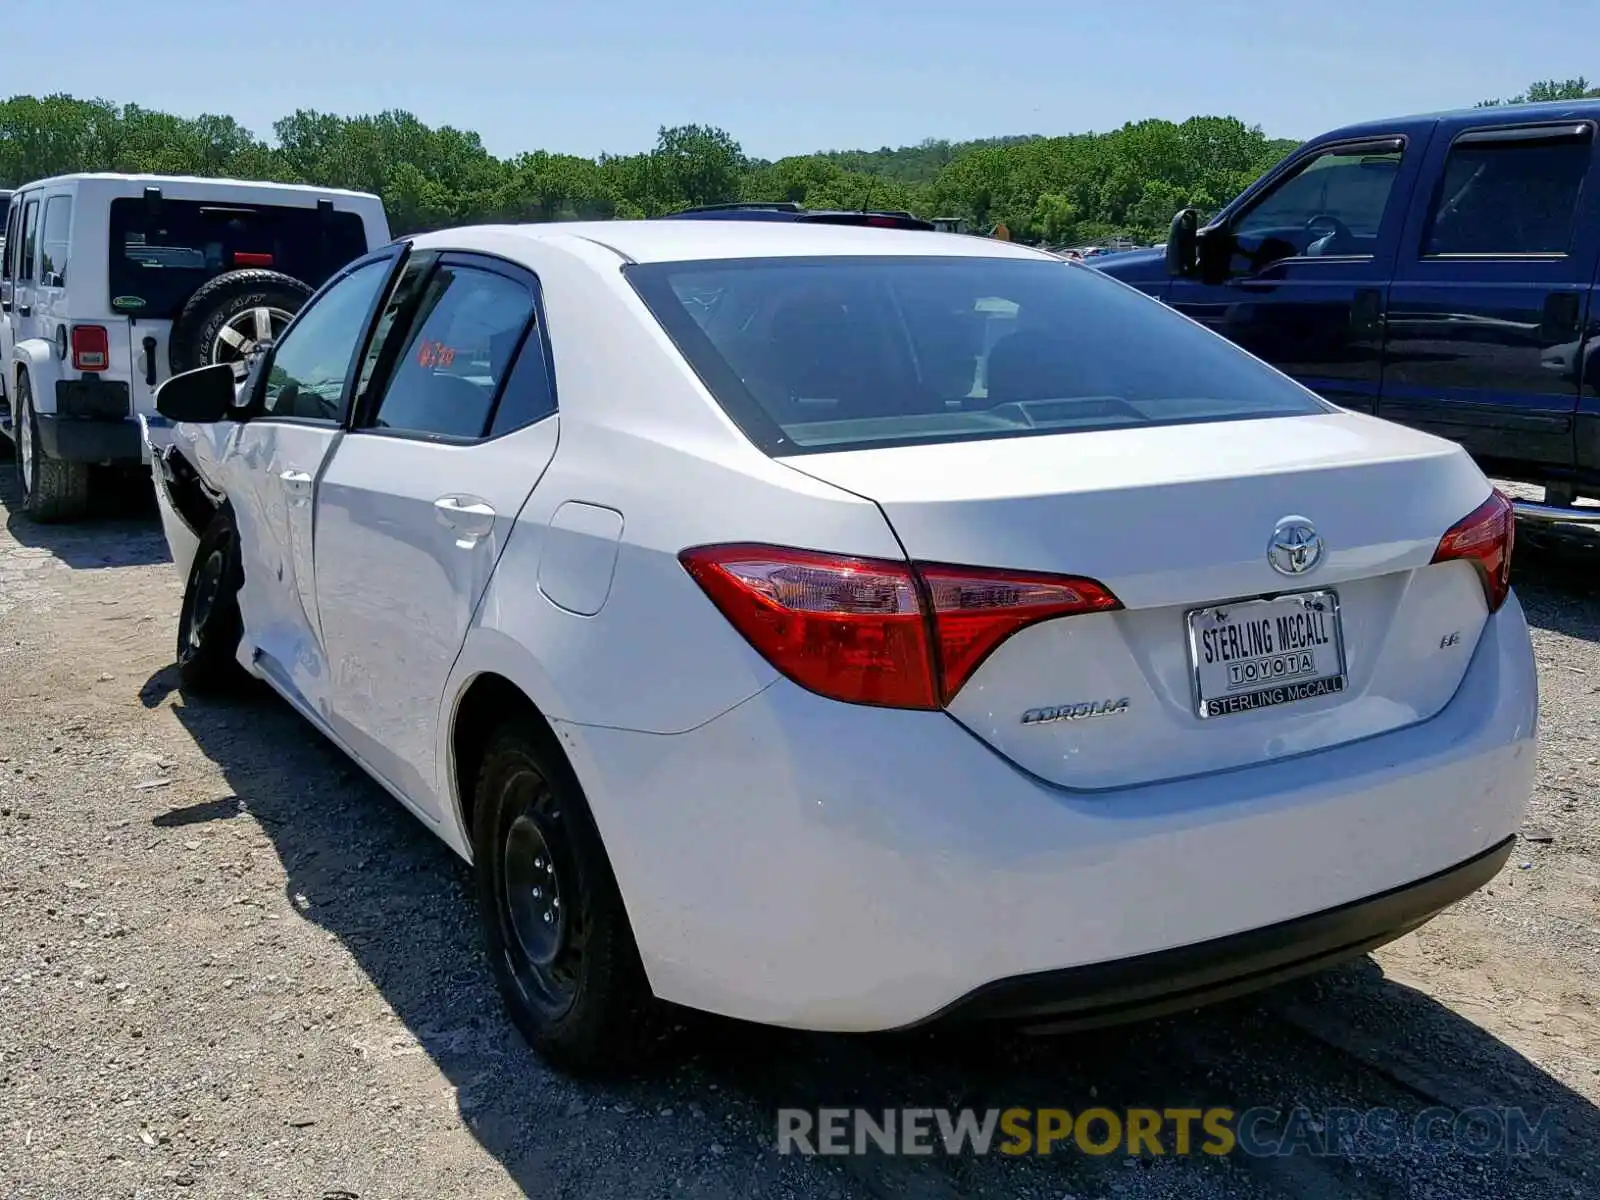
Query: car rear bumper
point(1167, 981)
point(806, 863)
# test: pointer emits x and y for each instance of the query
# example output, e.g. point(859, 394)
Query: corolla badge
point(1075, 712)
point(1295, 546)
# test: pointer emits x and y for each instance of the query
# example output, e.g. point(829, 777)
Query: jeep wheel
point(232, 317)
point(52, 490)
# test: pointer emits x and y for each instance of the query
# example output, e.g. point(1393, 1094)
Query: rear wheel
point(52, 490)
point(553, 919)
point(209, 625)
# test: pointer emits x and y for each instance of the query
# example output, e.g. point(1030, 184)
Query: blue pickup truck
point(1436, 270)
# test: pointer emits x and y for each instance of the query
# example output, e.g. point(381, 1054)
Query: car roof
point(688, 241)
point(1495, 114)
point(192, 182)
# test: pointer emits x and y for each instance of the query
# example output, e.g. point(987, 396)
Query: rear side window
point(1518, 195)
point(163, 251)
point(457, 353)
point(55, 241)
point(834, 353)
point(30, 241)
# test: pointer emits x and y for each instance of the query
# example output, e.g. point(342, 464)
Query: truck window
point(10, 239)
point(1509, 197)
point(162, 253)
point(1333, 205)
point(55, 240)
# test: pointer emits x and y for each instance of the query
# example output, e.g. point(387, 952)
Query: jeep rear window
point(818, 354)
point(162, 252)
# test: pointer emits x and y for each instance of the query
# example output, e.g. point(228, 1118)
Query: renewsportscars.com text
point(1256, 1132)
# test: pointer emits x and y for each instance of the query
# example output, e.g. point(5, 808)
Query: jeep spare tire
point(232, 316)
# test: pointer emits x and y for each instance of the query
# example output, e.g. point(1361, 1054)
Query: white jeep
point(109, 284)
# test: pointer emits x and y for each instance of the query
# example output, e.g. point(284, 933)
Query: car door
point(1587, 370)
point(1486, 312)
point(8, 257)
point(268, 466)
point(1299, 273)
point(50, 311)
point(419, 497)
point(24, 285)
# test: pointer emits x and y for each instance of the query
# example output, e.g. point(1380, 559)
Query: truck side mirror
point(203, 395)
point(1181, 242)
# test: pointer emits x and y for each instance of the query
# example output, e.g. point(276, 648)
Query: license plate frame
point(1278, 687)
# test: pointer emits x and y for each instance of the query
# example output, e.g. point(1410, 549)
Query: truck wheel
point(52, 490)
point(557, 933)
point(209, 624)
point(232, 317)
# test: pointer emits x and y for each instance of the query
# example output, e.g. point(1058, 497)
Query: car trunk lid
point(1176, 521)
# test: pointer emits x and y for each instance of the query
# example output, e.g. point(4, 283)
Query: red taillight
point(249, 258)
point(91, 348)
point(975, 610)
point(1484, 537)
point(873, 631)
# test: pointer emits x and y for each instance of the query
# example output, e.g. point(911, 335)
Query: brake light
point(873, 631)
point(1484, 537)
point(91, 348)
point(975, 610)
point(250, 258)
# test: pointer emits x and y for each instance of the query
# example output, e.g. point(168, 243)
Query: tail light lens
point(873, 631)
point(250, 258)
point(1484, 537)
point(91, 348)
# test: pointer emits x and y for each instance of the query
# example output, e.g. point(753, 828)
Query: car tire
point(557, 933)
point(209, 624)
point(231, 301)
point(52, 490)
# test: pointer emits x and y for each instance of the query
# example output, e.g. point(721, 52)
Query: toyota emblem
point(1295, 546)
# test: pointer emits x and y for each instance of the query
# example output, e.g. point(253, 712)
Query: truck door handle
point(1561, 312)
point(150, 361)
point(1366, 313)
point(24, 310)
point(469, 516)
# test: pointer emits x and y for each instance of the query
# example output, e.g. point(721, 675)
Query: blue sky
point(787, 76)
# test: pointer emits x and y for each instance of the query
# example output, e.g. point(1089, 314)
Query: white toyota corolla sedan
point(844, 627)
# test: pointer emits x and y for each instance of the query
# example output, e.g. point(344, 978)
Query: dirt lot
point(231, 967)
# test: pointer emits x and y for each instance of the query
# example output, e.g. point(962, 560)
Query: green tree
point(1549, 89)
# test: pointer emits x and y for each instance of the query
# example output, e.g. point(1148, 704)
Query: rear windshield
point(816, 354)
point(162, 252)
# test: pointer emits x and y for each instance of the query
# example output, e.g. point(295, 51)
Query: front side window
point(30, 241)
point(306, 376)
point(836, 353)
point(1333, 205)
point(456, 353)
point(1508, 197)
point(55, 241)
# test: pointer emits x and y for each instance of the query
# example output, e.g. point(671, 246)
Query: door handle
point(467, 515)
point(24, 310)
point(1561, 313)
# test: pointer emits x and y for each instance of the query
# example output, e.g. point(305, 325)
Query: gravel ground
point(232, 967)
